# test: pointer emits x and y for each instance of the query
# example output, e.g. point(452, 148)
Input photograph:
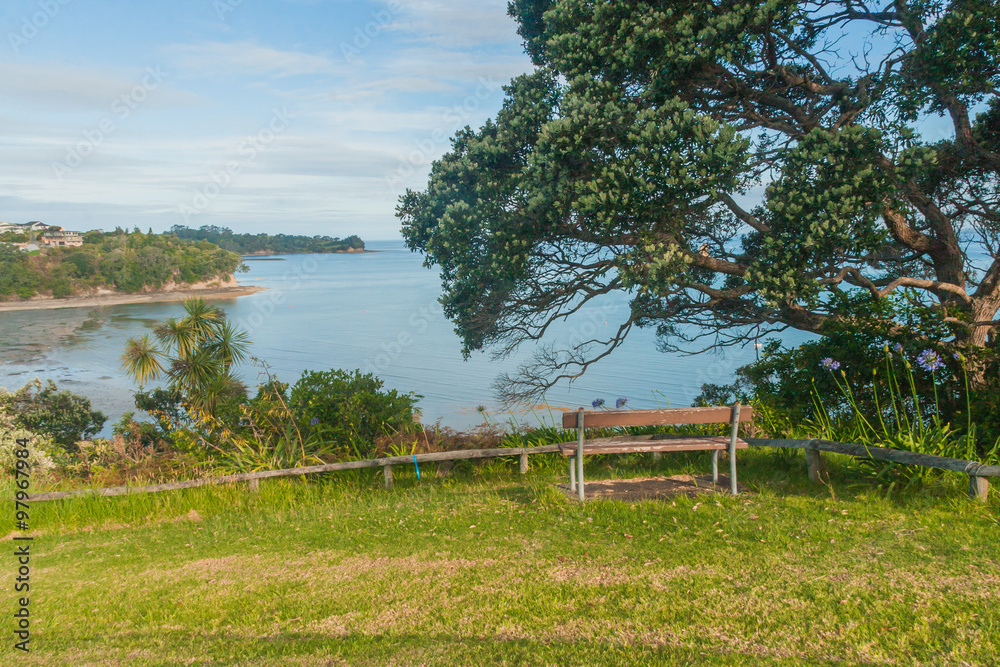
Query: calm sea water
point(375, 311)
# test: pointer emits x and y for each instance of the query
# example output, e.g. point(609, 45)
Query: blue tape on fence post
point(417, 466)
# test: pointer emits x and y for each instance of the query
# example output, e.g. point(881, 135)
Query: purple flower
point(314, 421)
point(620, 403)
point(898, 347)
point(958, 356)
point(930, 361)
point(598, 402)
point(830, 364)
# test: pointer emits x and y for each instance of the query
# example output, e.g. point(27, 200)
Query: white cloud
point(72, 89)
point(458, 23)
point(248, 58)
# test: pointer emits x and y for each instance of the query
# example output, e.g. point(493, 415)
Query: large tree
point(737, 168)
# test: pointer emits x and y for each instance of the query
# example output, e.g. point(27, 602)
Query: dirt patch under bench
point(651, 487)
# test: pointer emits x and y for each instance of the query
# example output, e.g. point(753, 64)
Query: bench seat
point(650, 443)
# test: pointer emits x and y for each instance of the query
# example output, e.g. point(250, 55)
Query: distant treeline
point(280, 244)
point(119, 260)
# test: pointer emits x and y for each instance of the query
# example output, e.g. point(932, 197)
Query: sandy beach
point(216, 292)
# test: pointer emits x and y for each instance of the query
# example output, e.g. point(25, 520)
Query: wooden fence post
point(815, 466)
point(254, 485)
point(524, 463)
point(387, 473)
point(979, 487)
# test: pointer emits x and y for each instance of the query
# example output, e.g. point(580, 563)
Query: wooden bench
point(582, 419)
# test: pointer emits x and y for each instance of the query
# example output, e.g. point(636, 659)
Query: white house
point(54, 239)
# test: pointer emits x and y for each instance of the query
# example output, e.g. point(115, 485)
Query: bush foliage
point(352, 407)
point(64, 417)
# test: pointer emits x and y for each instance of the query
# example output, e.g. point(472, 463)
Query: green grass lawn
point(487, 567)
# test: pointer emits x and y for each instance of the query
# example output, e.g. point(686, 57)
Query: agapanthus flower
point(930, 361)
point(620, 403)
point(898, 347)
point(830, 364)
point(314, 421)
point(598, 402)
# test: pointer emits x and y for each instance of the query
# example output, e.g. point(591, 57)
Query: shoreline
point(100, 300)
point(259, 254)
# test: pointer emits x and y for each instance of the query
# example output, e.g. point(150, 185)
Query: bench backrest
point(608, 418)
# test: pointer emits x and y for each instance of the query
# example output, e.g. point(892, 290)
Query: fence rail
point(978, 473)
point(254, 478)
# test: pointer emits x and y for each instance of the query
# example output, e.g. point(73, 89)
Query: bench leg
point(579, 477)
point(715, 467)
point(732, 448)
point(979, 487)
point(572, 473)
point(732, 471)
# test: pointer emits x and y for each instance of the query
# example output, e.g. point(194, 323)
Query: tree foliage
point(62, 416)
point(260, 244)
point(735, 168)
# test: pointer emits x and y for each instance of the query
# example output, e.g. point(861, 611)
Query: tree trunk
point(983, 310)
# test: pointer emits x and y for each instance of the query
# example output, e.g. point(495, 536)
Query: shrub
point(353, 408)
point(10, 432)
point(64, 416)
point(124, 459)
point(62, 288)
point(142, 435)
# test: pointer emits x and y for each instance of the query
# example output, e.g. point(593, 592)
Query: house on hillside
point(34, 226)
point(62, 239)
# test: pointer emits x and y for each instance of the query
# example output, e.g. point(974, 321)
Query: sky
point(278, 116)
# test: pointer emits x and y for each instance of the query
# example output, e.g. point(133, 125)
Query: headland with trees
point(267, 244)
point(45, 267)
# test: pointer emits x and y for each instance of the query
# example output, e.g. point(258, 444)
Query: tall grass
point(901, 420)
